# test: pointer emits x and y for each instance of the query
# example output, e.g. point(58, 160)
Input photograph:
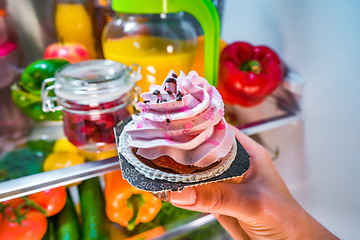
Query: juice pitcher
point(157, 37)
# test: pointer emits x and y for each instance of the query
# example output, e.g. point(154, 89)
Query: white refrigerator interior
point(319, 158)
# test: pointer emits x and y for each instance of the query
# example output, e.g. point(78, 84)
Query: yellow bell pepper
point(64, 154)
point(57, 160)
point(64, 145)
point(95, 156)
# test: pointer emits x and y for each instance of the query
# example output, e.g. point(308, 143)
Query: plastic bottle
point(73, 24)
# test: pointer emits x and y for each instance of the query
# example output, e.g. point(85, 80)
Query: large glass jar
point(93, 96)
point(157, 42)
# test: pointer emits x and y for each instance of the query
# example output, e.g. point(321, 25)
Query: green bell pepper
point(27, 93)
point(35, 73)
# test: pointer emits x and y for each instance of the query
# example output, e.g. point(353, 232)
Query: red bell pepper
point(248, 74)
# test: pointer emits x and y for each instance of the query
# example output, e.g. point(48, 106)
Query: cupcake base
point(167, 164)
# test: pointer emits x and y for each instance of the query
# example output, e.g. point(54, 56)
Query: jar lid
point(94, 81)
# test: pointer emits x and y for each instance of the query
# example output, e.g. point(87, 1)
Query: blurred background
point(319, 159)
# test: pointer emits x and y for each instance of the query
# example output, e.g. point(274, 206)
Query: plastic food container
point(93, 96)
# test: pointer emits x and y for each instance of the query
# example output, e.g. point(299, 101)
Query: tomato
point(32, 227)
point(14, 203)
point(52, 200)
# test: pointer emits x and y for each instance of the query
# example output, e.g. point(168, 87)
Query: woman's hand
point(261, 207)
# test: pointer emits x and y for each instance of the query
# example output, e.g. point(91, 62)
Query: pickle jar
point(93, 96)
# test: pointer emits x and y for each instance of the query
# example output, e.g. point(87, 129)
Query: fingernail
point(186, 197)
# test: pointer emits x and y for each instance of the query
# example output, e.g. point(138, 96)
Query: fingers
point(252, 148)
point(232, 226)
point(235, 180)
point(218, 198)
point(258, 154)
point(164, 196)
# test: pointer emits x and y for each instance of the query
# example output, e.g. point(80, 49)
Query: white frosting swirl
point(183, 120)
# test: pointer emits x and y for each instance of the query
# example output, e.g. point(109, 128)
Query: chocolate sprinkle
point(170, 80)
point(168, 120)
point(174, 75)
point(157, 101)
point(163, 100)
point(146, 101)
point(156, 92)
point(169, 92)
point(179, 96)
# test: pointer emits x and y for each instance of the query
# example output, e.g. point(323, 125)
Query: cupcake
point(180, 134)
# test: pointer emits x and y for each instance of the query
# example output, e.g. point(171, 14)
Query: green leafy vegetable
point(25, 161)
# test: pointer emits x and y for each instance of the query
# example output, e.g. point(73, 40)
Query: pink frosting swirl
point(183, 119)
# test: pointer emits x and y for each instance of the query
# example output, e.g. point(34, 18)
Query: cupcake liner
point(235, 164)
point(153, 173)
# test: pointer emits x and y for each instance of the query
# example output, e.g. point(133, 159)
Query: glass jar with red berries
point(94, 96)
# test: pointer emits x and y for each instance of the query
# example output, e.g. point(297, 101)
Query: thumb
point(219, 198)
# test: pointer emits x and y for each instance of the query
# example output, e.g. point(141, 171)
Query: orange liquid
point(73, 24)
point(156, 56)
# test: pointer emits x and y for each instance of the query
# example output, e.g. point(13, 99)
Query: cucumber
point(66, 223)
point(92, 204)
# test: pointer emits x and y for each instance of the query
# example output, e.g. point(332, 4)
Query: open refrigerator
point(281, 108)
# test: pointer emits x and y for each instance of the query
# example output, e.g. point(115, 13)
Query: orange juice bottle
point(157, 42)
point(73, 24)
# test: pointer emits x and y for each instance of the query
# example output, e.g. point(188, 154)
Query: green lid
point(203, 10)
